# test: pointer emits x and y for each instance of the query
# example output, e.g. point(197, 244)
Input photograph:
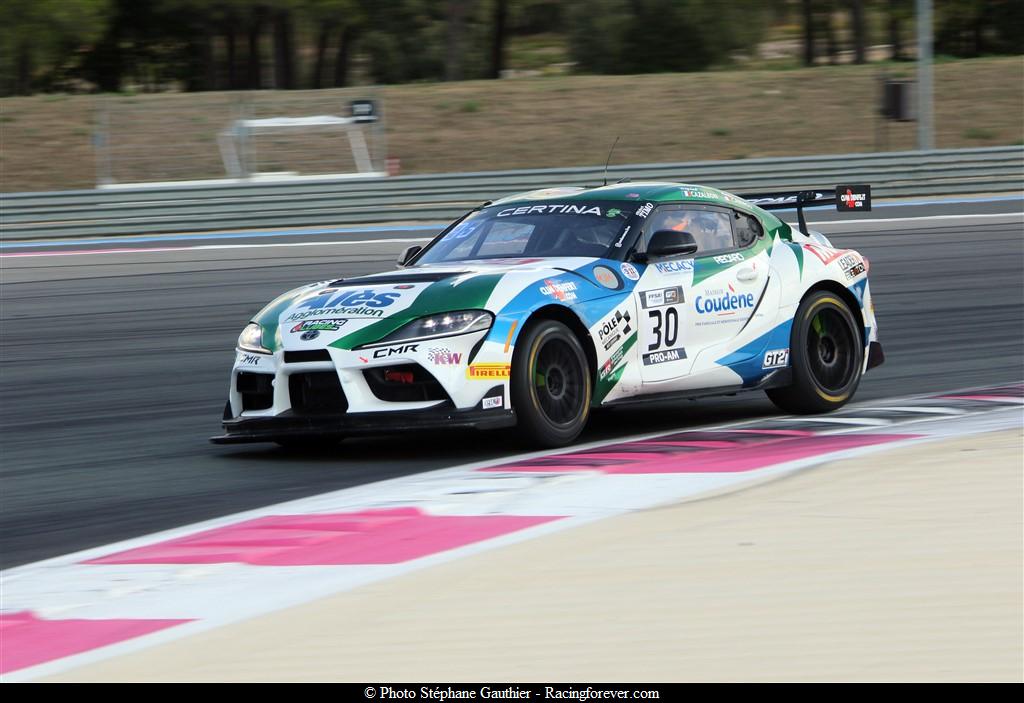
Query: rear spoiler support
point(846, 198)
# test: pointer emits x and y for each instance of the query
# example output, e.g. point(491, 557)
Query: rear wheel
point(551, 384)
point(827, 355)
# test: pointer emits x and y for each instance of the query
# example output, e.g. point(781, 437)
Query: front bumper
point(289, 425)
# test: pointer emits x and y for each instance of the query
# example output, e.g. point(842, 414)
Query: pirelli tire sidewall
point(535, 426)
point(807, 394)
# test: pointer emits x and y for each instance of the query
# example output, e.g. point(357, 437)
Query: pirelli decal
point(488, 371)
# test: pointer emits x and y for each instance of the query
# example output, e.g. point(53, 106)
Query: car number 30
point(664, 328)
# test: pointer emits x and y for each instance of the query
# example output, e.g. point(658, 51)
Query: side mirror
point(669, 242)
point(407, 255)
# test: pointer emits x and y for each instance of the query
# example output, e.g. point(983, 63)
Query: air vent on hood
point(432, 277)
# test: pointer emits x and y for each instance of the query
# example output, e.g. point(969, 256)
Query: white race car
point(537, 308)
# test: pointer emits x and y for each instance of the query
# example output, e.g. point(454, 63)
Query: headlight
point(444, 324)
point(251, 339)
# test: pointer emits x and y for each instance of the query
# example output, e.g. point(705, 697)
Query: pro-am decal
point(662, 296)
point(775, 358)
point(660, 357)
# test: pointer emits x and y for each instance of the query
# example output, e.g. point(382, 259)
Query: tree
point(807, 7)
point(41, 40)
point(498, 33)
point(859, 31)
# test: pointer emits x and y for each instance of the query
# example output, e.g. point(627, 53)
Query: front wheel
point(551, 384)
point(827, 354)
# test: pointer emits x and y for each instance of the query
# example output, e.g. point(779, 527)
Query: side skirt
point(776, 379)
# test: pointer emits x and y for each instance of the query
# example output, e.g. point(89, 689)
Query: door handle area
point(747, 275)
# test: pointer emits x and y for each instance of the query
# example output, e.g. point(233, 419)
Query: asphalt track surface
point(115, 366)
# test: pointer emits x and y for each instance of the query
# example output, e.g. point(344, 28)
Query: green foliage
point(40, 40)
point(965, 28)
point(642, 36)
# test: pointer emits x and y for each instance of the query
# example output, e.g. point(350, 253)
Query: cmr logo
point(401, 350)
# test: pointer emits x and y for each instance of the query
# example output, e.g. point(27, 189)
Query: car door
point(691, 303)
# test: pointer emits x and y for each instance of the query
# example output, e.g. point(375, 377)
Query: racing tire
point(551, 385)
point(827, 356)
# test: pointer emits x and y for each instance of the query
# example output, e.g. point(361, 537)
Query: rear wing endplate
point(846, 198)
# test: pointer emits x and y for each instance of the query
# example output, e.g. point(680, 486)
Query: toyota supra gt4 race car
point(537, 308)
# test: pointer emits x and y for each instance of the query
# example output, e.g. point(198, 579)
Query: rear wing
point(846, 198)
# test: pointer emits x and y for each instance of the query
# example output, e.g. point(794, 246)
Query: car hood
point(346, 313)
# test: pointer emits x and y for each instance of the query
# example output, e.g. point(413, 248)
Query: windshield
point(543, 229)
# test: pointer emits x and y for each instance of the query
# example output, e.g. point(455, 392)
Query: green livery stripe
point(799, 252)
point(268, 319)
point(442, 296)
point(707, 267)
point(605, 385)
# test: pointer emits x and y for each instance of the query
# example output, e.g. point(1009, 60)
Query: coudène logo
point(721, 301)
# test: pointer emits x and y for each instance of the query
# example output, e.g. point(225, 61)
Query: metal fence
point(156, 139)
point(310, 203)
